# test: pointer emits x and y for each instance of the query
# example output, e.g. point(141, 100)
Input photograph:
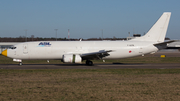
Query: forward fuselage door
point(14, 52)
point(25, 48)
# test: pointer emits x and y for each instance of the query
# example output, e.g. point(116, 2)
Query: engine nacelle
point(72, 58)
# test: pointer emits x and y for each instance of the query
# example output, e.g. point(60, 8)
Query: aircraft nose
point(4, 53)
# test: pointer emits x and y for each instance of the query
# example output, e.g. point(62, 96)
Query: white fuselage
point(76, 51)
point(56, 49)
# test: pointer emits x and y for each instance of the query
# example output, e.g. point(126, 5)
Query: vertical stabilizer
point(158, 31)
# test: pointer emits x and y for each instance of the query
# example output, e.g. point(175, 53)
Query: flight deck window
point(12, 47)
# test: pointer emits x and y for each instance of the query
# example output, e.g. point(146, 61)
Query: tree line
point(24, 39)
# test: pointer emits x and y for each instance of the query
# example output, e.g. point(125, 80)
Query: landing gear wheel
point(89, 63)
point(20, 63)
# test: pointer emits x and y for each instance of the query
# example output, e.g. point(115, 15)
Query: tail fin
point(158, 31)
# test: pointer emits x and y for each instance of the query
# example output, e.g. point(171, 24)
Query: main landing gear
point(89, 63)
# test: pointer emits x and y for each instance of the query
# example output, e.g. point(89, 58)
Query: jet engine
point(72, 58)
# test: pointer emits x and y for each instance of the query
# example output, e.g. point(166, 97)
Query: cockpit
point(12, 47)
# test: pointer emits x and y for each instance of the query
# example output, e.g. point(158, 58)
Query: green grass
point(90, 84)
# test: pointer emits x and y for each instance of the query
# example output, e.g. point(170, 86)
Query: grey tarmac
point(95, 66)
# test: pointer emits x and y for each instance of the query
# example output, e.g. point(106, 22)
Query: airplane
point(78, 51)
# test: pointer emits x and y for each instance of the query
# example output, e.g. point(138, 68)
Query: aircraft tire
point(20, 63)
point(89, 63)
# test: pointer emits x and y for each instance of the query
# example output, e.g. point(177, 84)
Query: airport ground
point(140, 78)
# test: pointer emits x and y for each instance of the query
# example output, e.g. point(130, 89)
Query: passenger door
point(25, 48)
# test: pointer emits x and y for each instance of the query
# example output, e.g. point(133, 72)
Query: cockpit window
point(12, 47)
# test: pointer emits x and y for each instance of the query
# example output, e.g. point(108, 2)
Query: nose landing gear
point(20, 63)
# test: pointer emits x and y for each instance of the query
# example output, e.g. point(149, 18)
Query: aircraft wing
point(95, 55)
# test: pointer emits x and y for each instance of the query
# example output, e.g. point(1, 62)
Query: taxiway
point(95, 66)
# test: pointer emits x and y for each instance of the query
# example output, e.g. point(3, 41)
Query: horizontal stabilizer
point(163, 45)
point(165, 42)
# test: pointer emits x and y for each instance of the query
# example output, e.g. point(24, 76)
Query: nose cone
point(4, 53)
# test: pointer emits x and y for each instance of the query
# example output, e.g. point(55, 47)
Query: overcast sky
point(85, 18)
